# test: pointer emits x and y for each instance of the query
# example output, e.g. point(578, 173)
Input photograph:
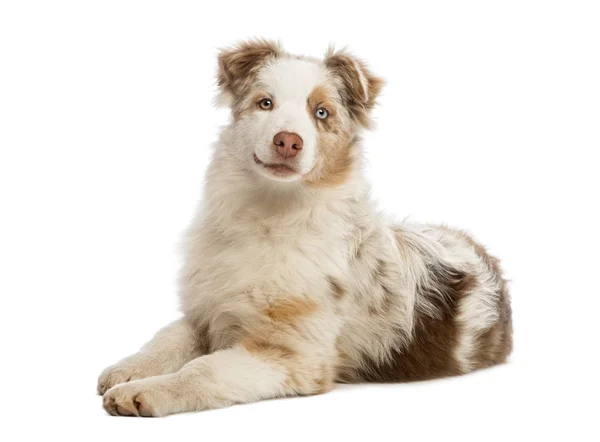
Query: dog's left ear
point(360, 88)
point(238, 66)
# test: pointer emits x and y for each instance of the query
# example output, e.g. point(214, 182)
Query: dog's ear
point(239, 64)
point(360, 87)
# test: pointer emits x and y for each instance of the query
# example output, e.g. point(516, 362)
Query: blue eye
point(321, 113)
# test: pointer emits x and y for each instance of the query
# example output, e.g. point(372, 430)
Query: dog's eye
point(265, 104)
point(321, 113)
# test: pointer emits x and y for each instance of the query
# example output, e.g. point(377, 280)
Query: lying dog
point(292, 281)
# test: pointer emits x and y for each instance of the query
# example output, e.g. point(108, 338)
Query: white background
point(490, 121)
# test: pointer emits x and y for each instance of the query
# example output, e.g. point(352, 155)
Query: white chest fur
point(237, 265)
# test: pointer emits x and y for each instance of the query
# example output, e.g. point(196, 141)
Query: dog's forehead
point(292, 79)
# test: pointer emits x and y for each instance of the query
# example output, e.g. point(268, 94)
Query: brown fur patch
point(430, 353)
point(336, 150)
point(336, 288)
point(268, 349)
point(288, 310)
point(337, 159)
point(239, 65)
point(321, 96)
point(495, 344)
point(360, 86)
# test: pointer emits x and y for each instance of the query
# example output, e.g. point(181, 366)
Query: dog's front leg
point(293, 352)
point(169, 350)
point(237, 375)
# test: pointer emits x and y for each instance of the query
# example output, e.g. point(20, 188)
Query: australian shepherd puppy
point(292, 281)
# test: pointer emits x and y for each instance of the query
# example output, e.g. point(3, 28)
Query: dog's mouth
point(280, 169)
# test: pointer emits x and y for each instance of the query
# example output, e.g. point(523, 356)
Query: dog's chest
point(241, 273)
point(277, 259)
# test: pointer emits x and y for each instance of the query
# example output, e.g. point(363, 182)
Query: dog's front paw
point(152, 397)
point(129, 369)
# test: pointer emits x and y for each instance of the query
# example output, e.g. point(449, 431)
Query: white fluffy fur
point(337, 284)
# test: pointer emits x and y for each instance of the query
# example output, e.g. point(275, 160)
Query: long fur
point(292, 281)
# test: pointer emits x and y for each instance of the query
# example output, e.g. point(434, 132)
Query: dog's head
point(295, 118)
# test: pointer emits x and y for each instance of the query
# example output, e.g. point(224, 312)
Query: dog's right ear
point(238, 66)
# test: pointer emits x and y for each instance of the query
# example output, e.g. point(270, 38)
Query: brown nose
point(287, 144)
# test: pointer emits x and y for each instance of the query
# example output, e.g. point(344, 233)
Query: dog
point(292, 281)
